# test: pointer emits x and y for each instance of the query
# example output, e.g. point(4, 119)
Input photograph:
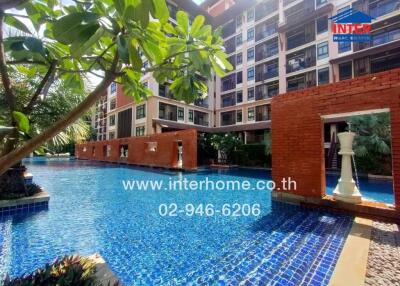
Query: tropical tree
point(372, 145)
point(110, 39)
point(225, 144)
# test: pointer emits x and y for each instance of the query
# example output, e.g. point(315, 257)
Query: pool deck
point(351, 267)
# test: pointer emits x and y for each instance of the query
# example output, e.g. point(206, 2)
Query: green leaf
point(22, 121)
point(17, 24)
point(135, 59)
point(217, 68)
point(196, 25)
point(182, 19)
point(161, 11)
point(69, 28)
point(123, 49)
point(78, 49)
point(221, 56)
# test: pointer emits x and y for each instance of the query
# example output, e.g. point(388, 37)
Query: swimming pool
point(91, 212)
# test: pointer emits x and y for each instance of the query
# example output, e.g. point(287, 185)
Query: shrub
point(66, 271)
point(252, 155)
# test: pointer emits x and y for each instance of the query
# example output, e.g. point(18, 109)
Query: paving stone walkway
point(384, 255)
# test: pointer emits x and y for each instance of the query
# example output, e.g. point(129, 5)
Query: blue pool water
point(372, 190)
point(90, 212)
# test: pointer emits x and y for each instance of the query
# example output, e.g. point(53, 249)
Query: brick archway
point(297, 127)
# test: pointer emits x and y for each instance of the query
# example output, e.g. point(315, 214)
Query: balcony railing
point(300, 64)
point(380, 8)
point(267, 74)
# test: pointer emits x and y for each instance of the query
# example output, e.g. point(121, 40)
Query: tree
point(372, 145)
point(106, 38)
point(225, 144)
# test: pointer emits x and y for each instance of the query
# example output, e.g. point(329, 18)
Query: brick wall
point(139, 153)
point(123, 99)
point(297, 127)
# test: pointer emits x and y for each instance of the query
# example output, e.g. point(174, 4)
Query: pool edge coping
point(104, 275)
point(351, 267)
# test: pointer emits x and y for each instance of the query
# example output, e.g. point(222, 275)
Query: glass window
point(239, 116)
point(250, 15)
point(239, 59)
point(191, 115)
point(250, 114)
point(345, 71)
point(113, 87)
point(111, 135)
point(250, 54)
point(141, 111)
point(140, 131)
point(344, 47)
point(112, 120)
point(323, 76)
point(250, 74)
point(239, 77)
point(320, 2)
point(181, 113)
point(239, 40)
point(250, 34)
point(250, 93)
point(113, 104)
point(322, 50)
point(322, 24)
point(239, 96)
point(239, 20)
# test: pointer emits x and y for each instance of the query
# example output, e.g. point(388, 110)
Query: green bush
point(67, 271)
point(253, 155)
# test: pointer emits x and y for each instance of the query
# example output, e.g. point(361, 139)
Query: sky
point(198, 1)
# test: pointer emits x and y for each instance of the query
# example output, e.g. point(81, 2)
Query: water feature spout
point(346, 189)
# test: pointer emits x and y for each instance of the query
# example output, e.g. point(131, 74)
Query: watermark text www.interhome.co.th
point(185, 184)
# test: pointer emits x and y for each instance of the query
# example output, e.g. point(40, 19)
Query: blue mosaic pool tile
point(286, 245)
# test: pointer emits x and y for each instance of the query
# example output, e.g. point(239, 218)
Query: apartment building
point(275, 47)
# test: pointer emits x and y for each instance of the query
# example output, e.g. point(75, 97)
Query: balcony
point(230, 45)
point(201, 102)
point(228, 99)
point(265, 8)
point(301, 60)
point(228, 82)
point(381, 8)
point(167, 112)
point(382, 37)
point(266, 91)
point(267, 70)
point(200, 118)
point(266, 29)
point(228, 29)
point(267, 49)
point(228, 118)
point(263, 113)
point(300, 36)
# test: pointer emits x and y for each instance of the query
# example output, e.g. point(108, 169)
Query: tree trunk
point(17, 155)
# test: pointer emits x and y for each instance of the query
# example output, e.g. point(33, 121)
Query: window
point(239, 40)
point(190, 115)
point(112, 120)
point(322, 50)
point(250, 54)
point(344, 47)
point(250, 34)
point(239, 21)
point(113, 87)
point(140, 131)
point(181, 113)
point(320, 2)
point(239, 116)
point(239, 96)
point(239, 78)
point(250, 114)
point(250, 93)
point(111, 135)
point(250, 74)
point(345, 71)
point(113, 104)
point(141, 111)
point(250, 15)
point(322, 24)
point(239, 59)
point(323, 76)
